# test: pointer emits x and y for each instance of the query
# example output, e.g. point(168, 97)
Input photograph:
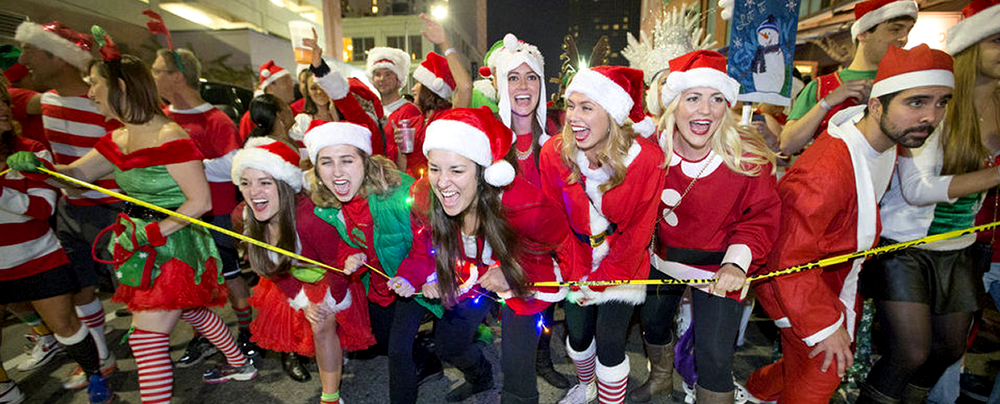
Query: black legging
point(518, 348)
point(611, 318)
point(920, 345)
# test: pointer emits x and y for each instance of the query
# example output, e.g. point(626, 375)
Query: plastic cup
point(408, 134)
point(300, 30)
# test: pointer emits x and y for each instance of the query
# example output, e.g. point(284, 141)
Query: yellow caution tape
point(189, 219)
point(4, 172)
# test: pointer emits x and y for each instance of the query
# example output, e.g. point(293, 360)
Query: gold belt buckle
point(596, 241)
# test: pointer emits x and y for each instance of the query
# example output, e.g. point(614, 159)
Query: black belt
point(690, 256)
point(596, 240)
point(140, 212)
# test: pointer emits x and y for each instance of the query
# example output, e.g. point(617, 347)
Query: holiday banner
point(762, 47)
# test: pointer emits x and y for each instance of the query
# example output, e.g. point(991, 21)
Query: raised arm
point(434, 32)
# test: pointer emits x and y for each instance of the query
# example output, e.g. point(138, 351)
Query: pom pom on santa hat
point(868, 14)
point(902, 69)
point(269, 73)
point(59, 40)
point(477, 135)
point(396, 60)
point(979, 21)
point(618, 90)
point(435, 74)
point(337, 133)
point(270, 156)
point(702, 68)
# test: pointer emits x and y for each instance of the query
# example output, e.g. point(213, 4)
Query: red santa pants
point(795, 378)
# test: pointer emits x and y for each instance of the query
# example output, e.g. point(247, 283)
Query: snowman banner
point(762, 49)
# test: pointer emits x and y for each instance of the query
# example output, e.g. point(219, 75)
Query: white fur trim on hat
point(271, 78)
point(677, 82)
point(645, 127)
point(971, 30)
point(510, 57)
point(485, 87)
point(885, 13)
point(396, 60)
point(458, 137)
point(602, 90)
point(337, 133)
point(433, 82)
point(36, 35)
point(253, 156)
point(910, 80)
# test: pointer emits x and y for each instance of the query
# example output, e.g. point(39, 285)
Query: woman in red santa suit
point(491, 231)
point(606, 180)
point(301, 310)
point(718, 219)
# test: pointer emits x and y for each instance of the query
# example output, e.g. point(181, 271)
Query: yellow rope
point(189, 219)
point(4, 172)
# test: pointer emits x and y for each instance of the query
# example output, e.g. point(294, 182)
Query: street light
point(439, 11)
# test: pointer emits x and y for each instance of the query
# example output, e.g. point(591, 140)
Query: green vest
point(392, 233)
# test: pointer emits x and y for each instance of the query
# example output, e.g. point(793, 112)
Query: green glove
point(24, 161)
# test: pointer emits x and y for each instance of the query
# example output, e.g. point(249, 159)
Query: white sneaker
point(10, 393)
point(44, 350)
point(77, 379)
point(580, 394)
point(689, 393)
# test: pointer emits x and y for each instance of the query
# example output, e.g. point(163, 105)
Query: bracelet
point(823, 104)
point(449, 51)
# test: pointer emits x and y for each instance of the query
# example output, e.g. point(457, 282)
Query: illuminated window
point(348, 46)
point(360, 47)
point(615, 26)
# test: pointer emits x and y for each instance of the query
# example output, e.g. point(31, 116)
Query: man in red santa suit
point(830, 207)
point(388, 69)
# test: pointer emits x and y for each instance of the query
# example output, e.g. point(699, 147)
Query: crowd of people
point(468, 198)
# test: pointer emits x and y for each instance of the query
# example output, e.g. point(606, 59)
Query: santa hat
point(59, 40)
point(269, 73)
point(477, 135)
point(271, 156)
point(435, 74)
point(337, 133)
point(618, 90)
point(868, 14)
point(367, 98)
point(701, 68)
point(509, 57)
point(396, 60)
point(979, 21)
point(902, 69)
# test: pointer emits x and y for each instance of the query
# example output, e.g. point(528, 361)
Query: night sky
point(542, 23)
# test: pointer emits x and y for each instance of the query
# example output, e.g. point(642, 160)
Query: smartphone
point(757, 117)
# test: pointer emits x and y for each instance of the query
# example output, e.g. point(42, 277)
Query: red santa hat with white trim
point(618, 90)
point(701, 68)
point(435, 74)
point(902, 69)
point(337, 133)
point(476, 134)
point(868, 14)
point(396, 60)
point(979, 20)
point(271, 156)
point(269, 73)
point(59, 40)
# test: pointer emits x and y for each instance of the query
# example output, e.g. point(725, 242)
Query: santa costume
point(611, 229)
point(397, 62)
point(830, 201)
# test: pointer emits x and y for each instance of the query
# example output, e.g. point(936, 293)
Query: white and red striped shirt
point(27, 244)
point(73, 125)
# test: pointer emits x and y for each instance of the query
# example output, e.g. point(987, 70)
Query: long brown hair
point(381, 178)
point(492, 227)
point(961, 140)
point(429, 101)
point(259, 258)
point(620, 139)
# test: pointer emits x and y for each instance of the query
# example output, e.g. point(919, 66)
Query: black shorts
point(947, 281)
point(54, 282)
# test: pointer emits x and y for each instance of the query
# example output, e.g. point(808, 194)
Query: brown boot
point(914, 394)
point(661, 373)
point(711, 397)
point(871, 396)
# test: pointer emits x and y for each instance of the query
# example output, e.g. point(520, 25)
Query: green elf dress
point(181, 273)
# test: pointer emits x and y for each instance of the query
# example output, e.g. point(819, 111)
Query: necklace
point(523, 155)
point(708, 162)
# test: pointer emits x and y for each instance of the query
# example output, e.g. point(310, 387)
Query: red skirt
point(175, 289)
point(280, 327)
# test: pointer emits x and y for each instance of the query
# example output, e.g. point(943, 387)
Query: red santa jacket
point(626, 213)
point(414, 161)
point(540, 224)
point(829, 207)
point(725, 217)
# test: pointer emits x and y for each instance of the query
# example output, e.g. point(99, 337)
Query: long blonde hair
point(612, 155)
point(741, 148)
point(961, 140)
point(381, 177)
